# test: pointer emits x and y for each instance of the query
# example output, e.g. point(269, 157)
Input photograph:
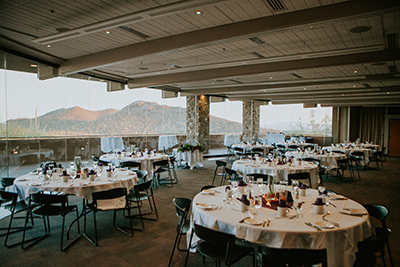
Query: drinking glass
point(72, 172)
point(234, 185)
point(298, 206)
point(257, 202)
point(260, 182)
point(321, 189)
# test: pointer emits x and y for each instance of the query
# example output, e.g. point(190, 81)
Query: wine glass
point(260, 182)
point(321, 189)
point(257, 203)
point(234, 185)
point(298, 206)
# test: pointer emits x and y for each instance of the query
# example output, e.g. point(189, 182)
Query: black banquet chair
point(301, 177)
point(163, 167)
point(219, 163)
point(182, 206)
point(111, 194)
point(46, 205)
point(140, 193)
point(278, 257)
point(131, 165)
point(220, 246)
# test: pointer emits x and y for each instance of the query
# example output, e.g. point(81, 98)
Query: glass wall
point(60, 118)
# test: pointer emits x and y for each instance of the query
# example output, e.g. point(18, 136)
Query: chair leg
point(62, 232)
point(190, 244)
point(390, 254)
point(173, 250)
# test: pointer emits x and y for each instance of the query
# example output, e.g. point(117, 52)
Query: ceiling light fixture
point(34, 65)
point(388, 93)
point(108, 32)
point(48, 45)
point(355, 72)
point(198, 12)
point(270, 78)
point(305, 89)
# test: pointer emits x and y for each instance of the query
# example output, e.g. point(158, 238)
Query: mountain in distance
point(139, 117)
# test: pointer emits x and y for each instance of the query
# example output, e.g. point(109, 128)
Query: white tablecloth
point(329, 160)
point(244, 167)
point(194, 158)
point(32, 183)
point(300, 145)
point(166, 141)
point(231, 139)
point(111, 144)
point(248, 148)
point(271, 138)
point(146, 161)
point(340, 242)
point(367, 152)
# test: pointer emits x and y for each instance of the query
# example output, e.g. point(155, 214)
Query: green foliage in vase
point(189, 147)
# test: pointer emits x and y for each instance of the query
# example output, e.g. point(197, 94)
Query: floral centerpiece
point(190, 147)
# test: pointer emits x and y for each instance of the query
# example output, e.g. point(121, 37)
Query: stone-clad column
point(198, 120)
point(251, 121)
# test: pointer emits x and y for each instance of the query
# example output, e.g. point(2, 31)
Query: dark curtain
point(372, 122)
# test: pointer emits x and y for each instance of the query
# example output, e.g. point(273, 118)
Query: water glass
point(234, 185)
point(260, 182)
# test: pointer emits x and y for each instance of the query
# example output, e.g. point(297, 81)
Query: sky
point(25, 93)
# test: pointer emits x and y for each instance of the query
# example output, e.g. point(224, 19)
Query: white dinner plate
point(324, 224)
point(205, 206)
point(253, 221)
point(357, 211)
point(36, 184)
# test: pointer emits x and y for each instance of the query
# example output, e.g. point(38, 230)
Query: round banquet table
point(248, 148)
point(367, 152)
point(146, 161)
point(340, 242)
point(328, 160)
point(280, 172)
point(193, 158)
point(32, 183)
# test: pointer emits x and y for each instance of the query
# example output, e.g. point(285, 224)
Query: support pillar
point(198, 121)
point(251, 121)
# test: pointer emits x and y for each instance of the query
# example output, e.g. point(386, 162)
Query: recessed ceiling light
point(108, 32)
point(34, 65)
point(355, 72)
point(388, 93)
point(305, 89)
point(354, 86)
point(360, 29)
point(342, 94)
point(48, 45)
point(270, 78)
point(198, 12)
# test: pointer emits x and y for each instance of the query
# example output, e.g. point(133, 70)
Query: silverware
point(264, 222)
point(332, 222)
point(312, 225)
point(269, 221)
point(245, 218)
point(330, 203)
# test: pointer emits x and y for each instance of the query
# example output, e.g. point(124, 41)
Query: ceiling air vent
point(391, 40)
point(392, 68)
point(256, 40)
point(257, 55)
point(235, 81)
point(276, 5)
point(135, 32)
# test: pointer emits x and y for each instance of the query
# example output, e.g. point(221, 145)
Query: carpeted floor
point(152, 247)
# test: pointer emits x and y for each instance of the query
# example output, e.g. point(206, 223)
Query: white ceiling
point(307, 51)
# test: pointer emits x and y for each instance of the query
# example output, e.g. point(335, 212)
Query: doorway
point(394, 138)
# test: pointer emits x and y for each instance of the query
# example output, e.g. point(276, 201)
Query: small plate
point(253, 221)
point(357, 212)
point(323, 224)
point(36, 184)
point(205, 206)
point(208, 192)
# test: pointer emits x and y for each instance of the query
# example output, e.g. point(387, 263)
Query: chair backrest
point(105, 163)
point(238, 149)
point(368, 247)
point(265, 177)
point(8, 196)
point(358, 154)
point(6, 181)
point(342, 162)
point(300, 176)
point(281, 146)
point(47, 199)
point(221, 163)
point(258, 149)
point(282, 257)
point(207, 187)
point(316, 161)
point(160, 163)
point(109, 194)
point(182, 206)
point(224, 240)
point(231, 173)
point(338, 151)
point(142, 175)
point(379, 212)
point(95, 158)
point(130, 164)
point(143, 186)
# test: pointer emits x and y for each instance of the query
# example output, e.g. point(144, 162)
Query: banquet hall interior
point(196, 82)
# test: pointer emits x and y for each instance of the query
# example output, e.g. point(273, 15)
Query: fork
point(312, 225)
